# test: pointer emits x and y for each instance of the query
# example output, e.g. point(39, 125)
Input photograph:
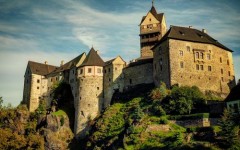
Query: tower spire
point(152, 2)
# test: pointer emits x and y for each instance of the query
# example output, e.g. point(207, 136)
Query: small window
point(109, 69)
point(209, 68)
point(181, 53)
point(105, 70)
point(161, 67)
point(221, 71)
point(227, 62)
point(188, 48)
point(27, 81)
point(89, 70)
point(109, 79)
point(97, 88)
point(38, 81)
point(209, 56)
point(220, 59)
point(209, 51)
point(201, 67)
point(197, 55)
point(116, 69)
point(56, 78)
point(201, 55)
point(130, 81)
point(181, 64)
point(38, 87)
point(73, 72)
point(81, 71)
point(229, 73)
point(222, 79)
point(98, 70)
point(197, 67)
point(51, 79)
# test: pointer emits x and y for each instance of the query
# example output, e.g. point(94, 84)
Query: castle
point(179, 55)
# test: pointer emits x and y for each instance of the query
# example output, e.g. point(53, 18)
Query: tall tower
point(90, 92)
point(152, 29)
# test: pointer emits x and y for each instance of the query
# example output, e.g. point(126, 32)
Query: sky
point(55, 30)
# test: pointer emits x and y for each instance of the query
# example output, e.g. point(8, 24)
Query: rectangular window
point(229, 73)
point(98, 70)
point(38, 81)
point(115, 68)
point(161, 67)
point(81, 71)
point(73, 72)
point(188, 48)
point(221, 71)
point(130, 81)
point(197, 55)
point(181, 64)
point(201, 55)
point(109, 69)
point(209, 56)
point(197, 66)
point(201, 67)
point(38, 87)
point(209, 68)
point(89, 70)
point(227, 62)
point(220, 59)
point(105, 70)
point(181, 53)
point(222, 79)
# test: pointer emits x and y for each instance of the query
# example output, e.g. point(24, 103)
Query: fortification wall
point(89, 103)
point(140, 74)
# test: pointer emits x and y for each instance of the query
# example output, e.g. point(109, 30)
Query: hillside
point(140, 122)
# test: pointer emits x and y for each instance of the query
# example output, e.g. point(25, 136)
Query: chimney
point(62, 62)
point(204, 30)
point(45, 62)
point(190, 27)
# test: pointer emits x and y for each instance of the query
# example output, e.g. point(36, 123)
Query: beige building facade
point(186, 56)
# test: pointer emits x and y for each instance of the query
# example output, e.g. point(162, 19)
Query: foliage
point(189, 117)
point(1, 103)
point(229, 125)
point(159, 93)
point(183, 99)
point(158, 110)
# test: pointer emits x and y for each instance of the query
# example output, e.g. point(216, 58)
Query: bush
point(159, 93)
point(163, 120)
point(158, 110)
point(190, 117)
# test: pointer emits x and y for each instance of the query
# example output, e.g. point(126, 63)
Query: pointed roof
point(69, 64)
point(40, 69)
point(190, 34)
point(111, 61)
point(153, 11)
point(93, 59)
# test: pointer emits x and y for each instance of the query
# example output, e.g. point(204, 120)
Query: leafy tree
point(1, 102)
point(229, 124)
point(159, 93)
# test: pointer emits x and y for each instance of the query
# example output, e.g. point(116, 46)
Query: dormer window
point(181, 32)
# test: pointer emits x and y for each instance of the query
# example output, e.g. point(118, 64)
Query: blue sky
point(56, 30)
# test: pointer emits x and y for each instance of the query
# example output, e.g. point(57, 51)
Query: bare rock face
point(57, 132)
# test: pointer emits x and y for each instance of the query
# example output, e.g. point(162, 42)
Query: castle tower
point(90, 91)
point(152, 29)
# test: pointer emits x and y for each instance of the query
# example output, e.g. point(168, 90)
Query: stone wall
point(89, 103)
point(140, 74)
point(215, 70)
point(113, 79)
point(161, 70)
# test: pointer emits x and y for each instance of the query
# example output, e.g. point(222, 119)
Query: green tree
point(159, 93)
point(1, 102)
point(230, 129)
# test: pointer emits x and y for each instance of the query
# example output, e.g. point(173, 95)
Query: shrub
point(62, 121)
point(159, 93)
point(158, 110)
point(163, 120)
